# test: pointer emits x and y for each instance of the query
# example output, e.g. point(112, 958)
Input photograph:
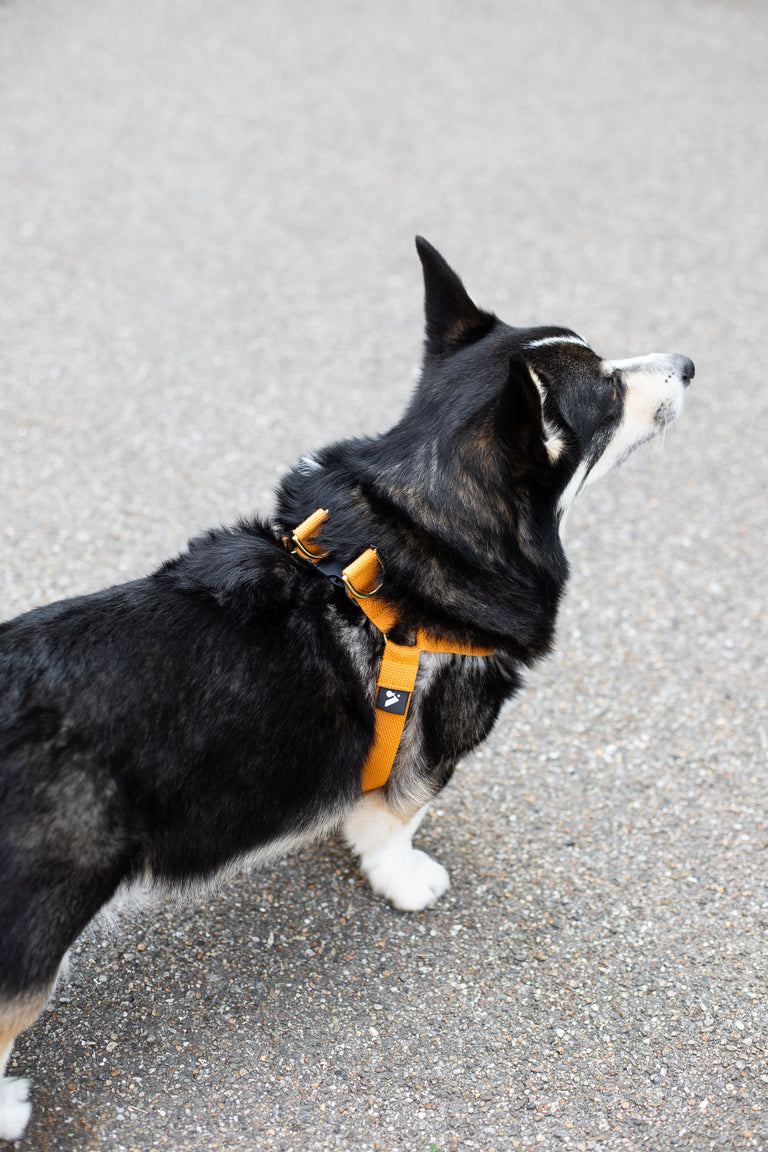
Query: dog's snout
point(685, 367)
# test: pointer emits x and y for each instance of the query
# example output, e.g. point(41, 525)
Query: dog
point(220, 711)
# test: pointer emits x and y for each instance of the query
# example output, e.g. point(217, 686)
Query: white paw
point(410, 879)
point(15, 1109)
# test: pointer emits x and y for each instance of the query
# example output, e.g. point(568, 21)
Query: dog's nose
point(685, 367)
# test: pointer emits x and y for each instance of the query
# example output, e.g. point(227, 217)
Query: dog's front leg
point(410, 879)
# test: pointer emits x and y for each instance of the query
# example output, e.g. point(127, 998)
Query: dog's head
point(562, 415)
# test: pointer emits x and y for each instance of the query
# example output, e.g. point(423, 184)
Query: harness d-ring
point(360, 567)
point(313, 556)
point(306, 531)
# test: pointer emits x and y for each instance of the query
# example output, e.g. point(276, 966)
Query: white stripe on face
point(556, 340)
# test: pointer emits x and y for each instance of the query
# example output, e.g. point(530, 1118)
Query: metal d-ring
point(365, 595)
point(313, 556)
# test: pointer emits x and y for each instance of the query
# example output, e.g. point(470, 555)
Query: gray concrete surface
point(206, 222)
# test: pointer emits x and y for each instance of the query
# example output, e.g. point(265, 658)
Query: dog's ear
point(521, 423)
point(453, 321)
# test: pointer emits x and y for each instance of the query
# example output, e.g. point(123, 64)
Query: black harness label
point(392, 700)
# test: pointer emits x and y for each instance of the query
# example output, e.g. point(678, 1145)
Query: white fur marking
point(653, 399)
point(553, 442)
point(408, 878)
point(15, 1108)
point(574, 486)
point(557, 340)
point(307, 465)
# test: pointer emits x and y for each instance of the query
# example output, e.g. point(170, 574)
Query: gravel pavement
point(206, 268)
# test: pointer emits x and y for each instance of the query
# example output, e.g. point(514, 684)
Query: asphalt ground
point(207, 268)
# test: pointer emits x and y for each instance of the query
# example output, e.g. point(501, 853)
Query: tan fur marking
point(16, 1016)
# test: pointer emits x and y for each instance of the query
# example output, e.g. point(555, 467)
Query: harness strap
point(396, 681)
point(363, 578)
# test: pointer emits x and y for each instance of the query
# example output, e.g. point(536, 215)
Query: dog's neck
point(438, 582)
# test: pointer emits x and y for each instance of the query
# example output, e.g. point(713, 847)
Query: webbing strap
point(397, 677)
point(400, 662)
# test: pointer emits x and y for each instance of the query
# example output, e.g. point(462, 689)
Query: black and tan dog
point(221, 710)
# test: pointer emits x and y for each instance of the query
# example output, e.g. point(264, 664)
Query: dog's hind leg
point(16, 1015)
point(410, 879)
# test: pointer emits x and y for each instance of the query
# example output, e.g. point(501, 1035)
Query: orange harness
point(362, 579)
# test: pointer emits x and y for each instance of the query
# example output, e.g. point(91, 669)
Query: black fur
point(163, 727)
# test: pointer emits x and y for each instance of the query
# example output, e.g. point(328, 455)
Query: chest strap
point(363, 579)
